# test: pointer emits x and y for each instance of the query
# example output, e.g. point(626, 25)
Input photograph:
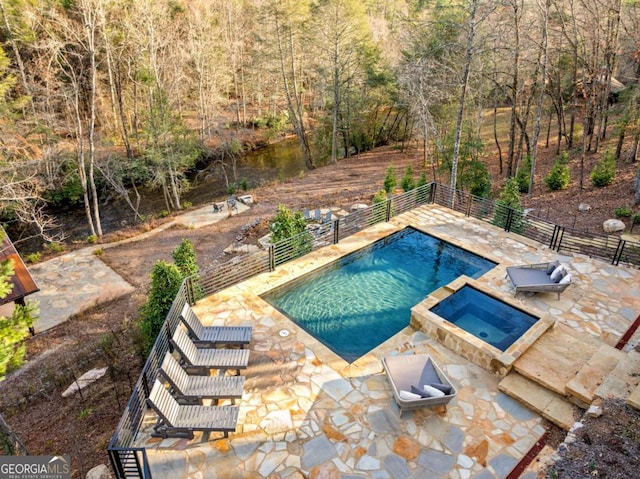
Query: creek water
point(279, 160)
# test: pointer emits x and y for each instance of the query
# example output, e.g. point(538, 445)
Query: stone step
point(556, 357)
point(633, 399)
point(623, 379)
point(583, 386)
point(549, 405)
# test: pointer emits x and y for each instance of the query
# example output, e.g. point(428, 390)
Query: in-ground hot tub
point(484, 327)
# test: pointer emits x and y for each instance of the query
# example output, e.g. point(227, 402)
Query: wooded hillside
point(102, 96)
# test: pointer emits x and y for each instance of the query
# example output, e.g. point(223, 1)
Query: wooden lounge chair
point(189, 389)
point(407, 372)
point(177, 420)
point(535, 278)
point(201, 361)
point(213, 336)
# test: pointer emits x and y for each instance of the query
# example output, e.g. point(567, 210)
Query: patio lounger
point(317, 215)
point(414, 371)
point(177, 420)
point(307, 215)
point(327, 217)
point(533, 278)
point(213, 336)
point(201, 361)
point(189, 389)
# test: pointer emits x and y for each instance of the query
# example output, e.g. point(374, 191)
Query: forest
point(103, 97)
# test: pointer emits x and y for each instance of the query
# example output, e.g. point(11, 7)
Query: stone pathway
point(77, 281)
point(308, 413)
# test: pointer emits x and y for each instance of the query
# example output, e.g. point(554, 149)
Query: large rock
point(613, 226)
point(99, 472)
point(584, 207)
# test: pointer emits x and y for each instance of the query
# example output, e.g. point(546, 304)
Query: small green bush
point(380, 197)
point(558, 177)
point(390, 180)
point(185, 258)
point(422, 180)
point(165, 282)
point(408, 183)
point(92, 239)
point(510, 199)
point(232, 188)
point(99, 252)
point(604, 172)
point(523, 175)
point(164, 213)
point(244, 184)
point(186, 205)
point(623, 212)
point(55, 247)
point(635, 218)
point(34, 257)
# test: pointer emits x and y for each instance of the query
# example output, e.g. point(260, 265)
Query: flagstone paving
point(308, 413)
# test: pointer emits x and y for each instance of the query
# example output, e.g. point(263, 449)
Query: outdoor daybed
point(410, 374)
point(539, 278)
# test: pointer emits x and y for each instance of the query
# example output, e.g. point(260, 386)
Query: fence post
point(619, 250)
point(336, 231)
point(432, 193)
point(388, 212)
point(469, 202)
point(272, 257)
point(507, 224)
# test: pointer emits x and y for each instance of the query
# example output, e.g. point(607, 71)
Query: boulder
point(613, 226)
point(584, 207)
point(358, 206)
point(99, 472)
point(246, 199)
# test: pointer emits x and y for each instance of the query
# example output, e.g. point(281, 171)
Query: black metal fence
point(559, 238)
point(129, 460)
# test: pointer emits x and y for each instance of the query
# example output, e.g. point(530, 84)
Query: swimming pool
point(487, 318)
point(361, 300)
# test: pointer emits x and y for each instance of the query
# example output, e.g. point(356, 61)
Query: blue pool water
point(484, 316)
point(360, 301)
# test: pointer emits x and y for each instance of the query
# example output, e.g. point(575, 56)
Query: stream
point(279, 160)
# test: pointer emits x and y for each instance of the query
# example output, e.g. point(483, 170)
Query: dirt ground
point(81, 426)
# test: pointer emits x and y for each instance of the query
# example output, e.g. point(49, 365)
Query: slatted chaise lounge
point(213, 336)
point(201, 361)
point(177, 420)
point(189, 389)
point(410, 373)
point(536, 278)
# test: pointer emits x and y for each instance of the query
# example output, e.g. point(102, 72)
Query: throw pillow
point(421, 392)
point(557, 274)
point(553, 265)
point(566, 279)
point(436, 393)
point(442, 387)
point(408, 396)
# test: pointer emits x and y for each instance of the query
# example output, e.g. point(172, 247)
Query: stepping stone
point(564, 348)
point(546, 403)
point(85, 380)
point(583, 386)
point(634, 398)
point(623, 380)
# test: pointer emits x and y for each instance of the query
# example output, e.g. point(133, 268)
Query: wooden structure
point(23, 283)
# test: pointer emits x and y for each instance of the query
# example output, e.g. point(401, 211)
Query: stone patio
point(308, 413)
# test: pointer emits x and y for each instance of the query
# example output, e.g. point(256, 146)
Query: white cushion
point(409, 396)
point(566, 279)
point(557, 274)
point(433, 392)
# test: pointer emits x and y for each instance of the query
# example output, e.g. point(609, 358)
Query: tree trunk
point(463, 96)
point(636, 196)
point(16, 445)
point(514, 90)
point(542, 61)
